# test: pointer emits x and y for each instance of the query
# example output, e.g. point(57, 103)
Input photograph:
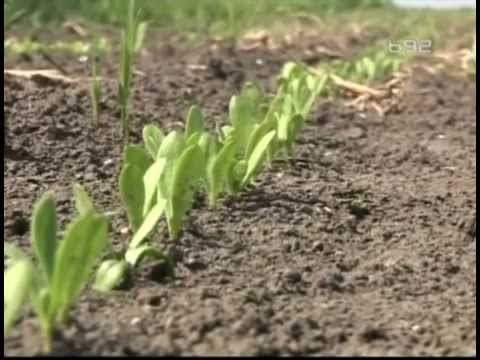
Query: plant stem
point(47, 338)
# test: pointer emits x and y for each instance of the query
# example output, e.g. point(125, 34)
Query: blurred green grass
point(232, 15)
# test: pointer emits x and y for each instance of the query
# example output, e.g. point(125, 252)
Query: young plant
point(131, 41)
point(156, 180)
point(302, 86)
point(63, 268)
point(95, 93)
point(113, 272)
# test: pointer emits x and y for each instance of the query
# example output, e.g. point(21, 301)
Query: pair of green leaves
point(64, 267)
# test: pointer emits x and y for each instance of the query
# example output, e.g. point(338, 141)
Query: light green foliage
point(303, 87)
point(65, 267)
point(366, 69)
point(16, 287)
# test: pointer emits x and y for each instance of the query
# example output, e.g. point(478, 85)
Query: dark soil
point(363, 244)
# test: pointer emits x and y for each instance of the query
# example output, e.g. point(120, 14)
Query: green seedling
point(302, 86)
point(131, 42)
point(367, 69)
point(17, 282)
point(95, 93)
point(155, 181)
point(112, 273)
point(64, 267)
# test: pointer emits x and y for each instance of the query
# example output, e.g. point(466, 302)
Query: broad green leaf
point(194, 122)
point(44, 233)
point(85, 238)
point(187, 169)
point(172, 146)
point(17, 281)
point(132, 194)
point(242, 119)
point(217, 171)
point(134, 256)
point(110, 275)
point(136, 155)
point(187, 172)
point(151, 219)
point(83, 203)
point(150, 183)
point(258, 156)
point(152, 138)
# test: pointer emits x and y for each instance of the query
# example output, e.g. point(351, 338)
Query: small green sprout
point(64, 267)
point(131, 42)
point(95, 93)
